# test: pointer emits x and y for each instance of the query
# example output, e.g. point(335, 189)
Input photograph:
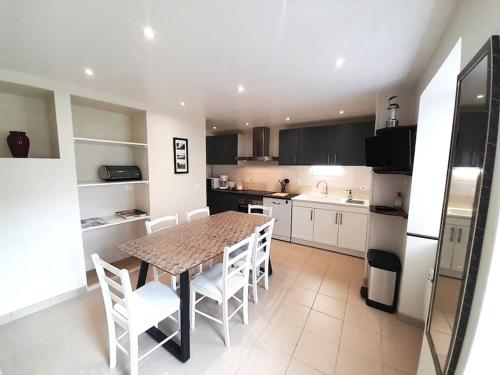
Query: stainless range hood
point(260, 146)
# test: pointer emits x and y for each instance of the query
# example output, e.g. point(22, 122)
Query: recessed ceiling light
point(241, 89)
point(247, 123)
point(149, 33)
point(339, 62)
point(341, 111)
point(214, 127)
point(287, 118)
point(480, 96)
point(89, 72)
point(182, 104)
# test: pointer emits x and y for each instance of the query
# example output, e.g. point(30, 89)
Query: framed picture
point(181, 159)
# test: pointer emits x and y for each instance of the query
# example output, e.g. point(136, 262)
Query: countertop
point(258, 193)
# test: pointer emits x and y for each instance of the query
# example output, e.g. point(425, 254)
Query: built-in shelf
point(103, 183)
point(114, 220)
point(108, 141)
point(391, 211)
point(381, 171)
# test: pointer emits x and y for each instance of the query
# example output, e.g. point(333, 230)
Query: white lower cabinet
point(331, 227)
point(454, 246)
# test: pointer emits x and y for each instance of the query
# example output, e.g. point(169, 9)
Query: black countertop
point(255, 193)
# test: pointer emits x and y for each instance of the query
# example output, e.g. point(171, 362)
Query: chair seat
point(209, 283)
point(152, 303)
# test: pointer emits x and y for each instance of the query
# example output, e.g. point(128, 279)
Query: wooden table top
point(187, 245)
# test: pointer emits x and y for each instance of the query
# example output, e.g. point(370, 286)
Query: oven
point(243, 203)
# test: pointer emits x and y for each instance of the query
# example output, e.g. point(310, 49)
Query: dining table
point(178, 249)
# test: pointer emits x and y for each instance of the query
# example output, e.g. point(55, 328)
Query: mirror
point(458, 236)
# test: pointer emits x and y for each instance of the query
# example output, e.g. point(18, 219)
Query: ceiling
point(282, 51)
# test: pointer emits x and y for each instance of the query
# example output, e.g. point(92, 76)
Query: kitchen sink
point(328, 199)
point(355, 201)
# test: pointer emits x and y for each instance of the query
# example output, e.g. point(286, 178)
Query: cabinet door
point(289, 146)
point(326, 226)
point(348, 142)
point(222, 149)
point(450, 233)
point(302, 223)
point(352, 231)
point(314, 146)
point(460, 248)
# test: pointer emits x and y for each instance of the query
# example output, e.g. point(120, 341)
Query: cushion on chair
point(209, 283)
point(152, 303)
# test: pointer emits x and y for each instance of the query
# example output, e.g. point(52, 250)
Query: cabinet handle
point(341, 218)
point(328, 158)
point(294, 159)
point(311, 215)
point(335, 163)
point(336, 217)
point(452, 236)
point(459, 239)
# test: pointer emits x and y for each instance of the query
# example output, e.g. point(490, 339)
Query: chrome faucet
point(325, 187)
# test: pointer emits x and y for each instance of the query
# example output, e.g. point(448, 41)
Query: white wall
point(475, 21)
point(41, 242)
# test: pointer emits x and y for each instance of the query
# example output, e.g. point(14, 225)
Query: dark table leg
point(183, 351)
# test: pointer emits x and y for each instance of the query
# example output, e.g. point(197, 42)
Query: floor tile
point(335, 289)
point(317, 352)
point(293, 313)
point(297, 367)
point(400, 331)
point(283, 336)
point(363, 316)
point(361, 341)
point(324, 326)
point(352, 363)
point(329, 305)
point(264, 359)
point(392, 371)
point(400, 356)
point(308, 281)
point(301, 296)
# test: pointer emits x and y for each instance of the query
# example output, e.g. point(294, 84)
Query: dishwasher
point(282, 212)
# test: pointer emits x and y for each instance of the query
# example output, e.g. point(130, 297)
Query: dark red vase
point(19, 144)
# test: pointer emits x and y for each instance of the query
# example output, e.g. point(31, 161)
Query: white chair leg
point(134, 355)
point(245, 304)
point(173, 282)
point(192, 307)
point(254, 285)
point(155, 274)
point(266, 275)
point(112, 344)
point(200, 268)
point(225, 320)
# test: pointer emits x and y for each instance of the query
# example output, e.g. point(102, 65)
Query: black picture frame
point(181, 155)
point(490, 51)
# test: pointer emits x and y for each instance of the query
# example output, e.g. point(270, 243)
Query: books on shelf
point(92, 222)
point(131, 214)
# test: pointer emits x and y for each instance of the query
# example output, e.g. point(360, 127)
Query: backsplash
point(303, 179)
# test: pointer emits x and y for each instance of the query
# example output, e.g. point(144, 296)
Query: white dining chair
point(156, 225)
point(199, 213)
point(222, 282)
point(260, 256)
point(256, 208)
point(135, 311)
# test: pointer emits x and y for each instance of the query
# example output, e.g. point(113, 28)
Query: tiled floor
point(310, 321)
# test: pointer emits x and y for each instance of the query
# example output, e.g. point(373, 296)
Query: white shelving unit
point(109, 134)
point(104, 183)
point(114, 220)
point(108, 141)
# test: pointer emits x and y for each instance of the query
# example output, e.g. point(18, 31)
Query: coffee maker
point(223, 181)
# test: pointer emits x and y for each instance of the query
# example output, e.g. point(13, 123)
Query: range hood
point(260, 146)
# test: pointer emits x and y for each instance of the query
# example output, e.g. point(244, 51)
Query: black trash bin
point(383, 280)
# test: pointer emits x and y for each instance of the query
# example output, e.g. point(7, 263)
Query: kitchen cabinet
point(470, 138)
point(289, 146)
point(331, 227)
point(222, 149)
point(454, 247)
point(302, 223)
point(325, 223)
point(342, 144)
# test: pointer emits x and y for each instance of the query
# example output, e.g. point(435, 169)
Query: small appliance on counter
point(223, 181)
point(119, 173)
point(239, 186)
point(214, 182)
point(231, 184)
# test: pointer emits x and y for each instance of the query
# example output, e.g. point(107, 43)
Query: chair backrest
point(239, 264)
point(115, 288)
point(161, 223)
point(198, 214)
point(256, 208)
point(263, 237)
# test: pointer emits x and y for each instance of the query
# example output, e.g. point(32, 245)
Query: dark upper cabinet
point(348, 142)
point(342, 144)
point(471, 135)
point(222, 149)
point(289, 146)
